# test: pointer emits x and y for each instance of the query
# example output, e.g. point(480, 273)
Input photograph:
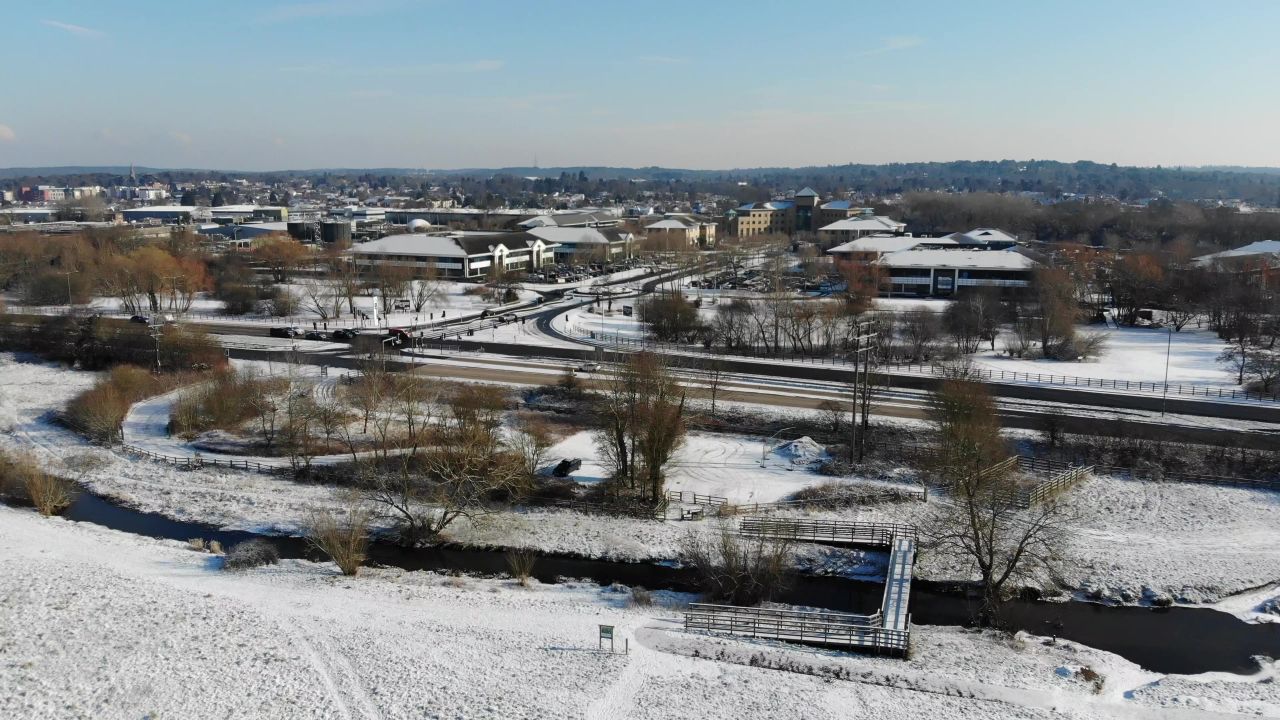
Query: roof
point(864, 223)
point(445, 244)
point(982, 236)
point(163, 208)
point(771, 205)
point(886, 244)
point(837, 205)
point(578, 235)
point(668, 224)
point(807, 192)
point(962, 259)
point(1262, 247)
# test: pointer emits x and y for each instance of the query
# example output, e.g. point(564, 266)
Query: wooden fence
point(864, 632)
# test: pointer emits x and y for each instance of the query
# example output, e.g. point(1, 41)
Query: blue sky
point(408, 83)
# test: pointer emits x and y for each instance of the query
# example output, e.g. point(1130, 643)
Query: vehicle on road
point(588, 367)
point(285, 332)
point(140, 319)
point(314, 335)
point(508, 317)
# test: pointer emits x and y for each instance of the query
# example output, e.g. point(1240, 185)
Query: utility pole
point(157, 333)
point(68, 274)
point(863, 346)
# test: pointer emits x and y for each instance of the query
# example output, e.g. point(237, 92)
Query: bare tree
point(641, 423)
point(981, 518)
point(531, 439)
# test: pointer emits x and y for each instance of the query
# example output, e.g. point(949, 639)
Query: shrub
point(737, 570)
point(250, 554)
point(521, 563)
point(22, 480)
point(196, 544)
point(224, 403)
point(641, 597)
point(343, 539)
point(283, 302)
point(50, 493)
point(98, 411)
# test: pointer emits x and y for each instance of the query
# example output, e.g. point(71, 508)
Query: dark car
point(343, 334)
point(140, 319)
point(314, 335)
point(284, 332)
point(397, 336)
point(566, 466)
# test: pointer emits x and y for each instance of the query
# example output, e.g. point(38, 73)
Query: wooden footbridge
point(886, 632)
point(828, 532)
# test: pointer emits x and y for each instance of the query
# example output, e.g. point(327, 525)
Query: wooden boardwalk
point(831, 532)
point(897, 584)
point(842, 630)
point(887, 632)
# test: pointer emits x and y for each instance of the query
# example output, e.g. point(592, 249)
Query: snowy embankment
point(1133, 541)
point(1135, 354)
point(107, 625)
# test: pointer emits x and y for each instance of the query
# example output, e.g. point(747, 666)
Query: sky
point(234, 84)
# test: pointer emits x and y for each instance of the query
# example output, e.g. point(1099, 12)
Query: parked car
point(140, 319)
point(314, 335)
point(588, 367)
point(508, 317)
point(566, 466)
point(285, 332)
point(343, 334)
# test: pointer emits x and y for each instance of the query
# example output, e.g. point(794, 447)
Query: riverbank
point(131, 627)
point(1134, 542)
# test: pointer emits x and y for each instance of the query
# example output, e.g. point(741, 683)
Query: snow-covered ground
point(1134, 354)
point(728, 466)
point(1191, 542)
point(100, 624)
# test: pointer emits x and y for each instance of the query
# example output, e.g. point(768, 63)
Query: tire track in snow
point(336, 672)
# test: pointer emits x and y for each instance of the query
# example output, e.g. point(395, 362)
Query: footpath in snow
point(100, 624)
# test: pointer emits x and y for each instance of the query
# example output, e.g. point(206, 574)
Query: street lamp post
point(764, 449)
point(68, 274)
point(1168, 350)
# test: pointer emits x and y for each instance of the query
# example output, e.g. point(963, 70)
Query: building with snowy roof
point(941, 272)
point(578, 245)
point(805, 212)
point(1264, 253)
point(457, 254)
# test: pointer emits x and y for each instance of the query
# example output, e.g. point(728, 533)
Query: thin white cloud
point(7, 134)
point(893, 43)
point(77, 30)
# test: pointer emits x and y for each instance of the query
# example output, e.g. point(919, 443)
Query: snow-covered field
point(1190, 542)
point(100, 624)
point(1134, 354)
point(730, 466)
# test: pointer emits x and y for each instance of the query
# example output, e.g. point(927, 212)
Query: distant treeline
point(1256, 185)
point(1196, 229)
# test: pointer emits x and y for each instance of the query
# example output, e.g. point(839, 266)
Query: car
point(588, 367)
point(314, 335)
point(140, 319)
point(508, 317)
point(284, 332)
point(343, 334)
point(399, 335)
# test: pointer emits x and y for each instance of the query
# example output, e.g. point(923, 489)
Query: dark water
point(1167, 640)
